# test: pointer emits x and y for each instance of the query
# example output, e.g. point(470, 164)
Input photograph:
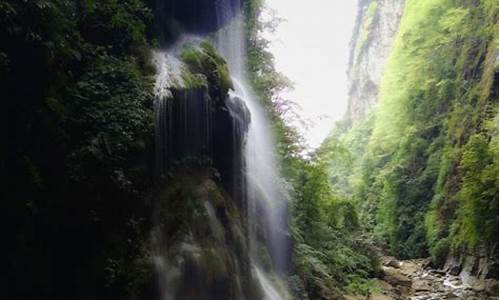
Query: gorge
point(150, 155)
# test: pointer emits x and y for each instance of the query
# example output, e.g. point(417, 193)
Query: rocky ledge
point(416, 280)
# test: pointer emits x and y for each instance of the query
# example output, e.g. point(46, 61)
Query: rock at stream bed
point(490, 286)
point(390, 261)
point(419, 285)
point(395, 278)
point(415, 280)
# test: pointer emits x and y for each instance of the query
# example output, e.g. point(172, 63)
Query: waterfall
point(236, 138)
point(266, 194)
point(183, 128)
point(270, 292)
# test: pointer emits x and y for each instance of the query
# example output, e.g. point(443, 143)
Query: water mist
point(267, 197)
point(185, 125)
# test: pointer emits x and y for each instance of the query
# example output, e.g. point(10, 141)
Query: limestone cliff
point(374, 32)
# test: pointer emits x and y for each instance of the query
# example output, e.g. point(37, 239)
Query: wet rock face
point(193, 130)
point(396, 278)
point(197, 121)
point(199, 243)
point(173, 17)
point(190, 118)
point(480, 263)
point(376, 26)
point(231, 126)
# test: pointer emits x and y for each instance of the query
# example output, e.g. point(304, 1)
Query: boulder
point(426, 263)
point(489, 286)
point(409, 268)
point(449, 295)
point(421, 285)
point(390, 261)
point(379, 296)
point(394, 263)
point(439, 272)
point(395, 278)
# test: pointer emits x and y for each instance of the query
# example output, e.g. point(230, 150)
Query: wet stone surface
point(414, 280)
point(428, 284)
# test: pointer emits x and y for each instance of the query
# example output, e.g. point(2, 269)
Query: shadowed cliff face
point(197, 121)
point(172, 17)
point(191, 129)
point(376, 26)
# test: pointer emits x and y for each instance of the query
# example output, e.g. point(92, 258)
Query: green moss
point(204, 60)
point(215, 196)
point(192, 81)
point(215, 262)
point(203, 235)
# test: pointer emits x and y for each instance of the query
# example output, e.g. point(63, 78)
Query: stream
point(416, 280)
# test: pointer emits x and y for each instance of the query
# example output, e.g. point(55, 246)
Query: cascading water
point(266, 196)
point(266, 193)
point(236, 137)
point(269, 290)
point(191, 122)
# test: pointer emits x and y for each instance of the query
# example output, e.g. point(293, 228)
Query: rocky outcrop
point(414, 279)
point(396, 278)
point(199, 241)
point(376, 27)
point(473, 265)
point(196, 120)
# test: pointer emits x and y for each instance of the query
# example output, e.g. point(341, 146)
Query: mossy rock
point(203, 59)
point(192, 80)
point(204, 243)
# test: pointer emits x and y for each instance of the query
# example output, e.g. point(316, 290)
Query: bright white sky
point(311, 47)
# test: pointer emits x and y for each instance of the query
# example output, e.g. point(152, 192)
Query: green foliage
point(424, 174)
point(205, 60)
point(342, 152)
point(80, 116)
point(109, 111)
point(268, 84)
point(323, 254)
point(362, 286)
point(440, 251)
point(118, 25)
point(477, 215)
point(421, 80)
point(326, 255)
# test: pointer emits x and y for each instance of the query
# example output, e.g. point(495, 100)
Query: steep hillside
point(423, 167)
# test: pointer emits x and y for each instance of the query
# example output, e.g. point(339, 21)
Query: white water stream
point(266, 193)
point(269, 292)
